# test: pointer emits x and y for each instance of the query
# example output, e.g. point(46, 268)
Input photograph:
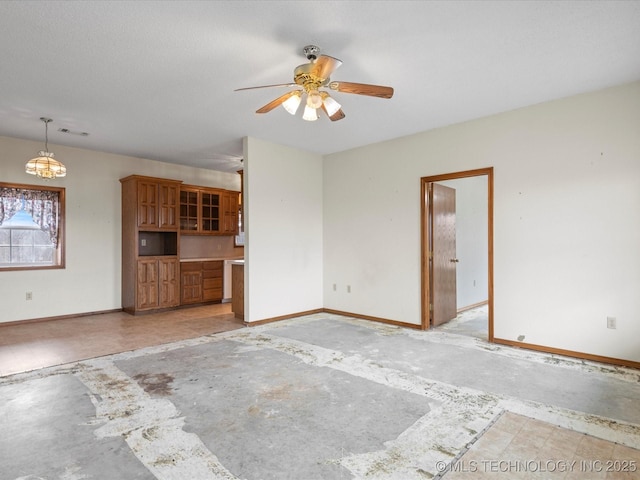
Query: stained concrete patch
point(265, 414)
point(396, 348)
point(159, 384)
point(48, 432)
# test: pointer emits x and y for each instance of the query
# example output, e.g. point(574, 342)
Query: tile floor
point(521, 439)
point(32, 345)
point(519, 447)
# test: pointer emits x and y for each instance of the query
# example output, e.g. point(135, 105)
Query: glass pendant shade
point(310, 114)
point(44, 165)
point(331, 105)
point(292, 103)
point(314, 99)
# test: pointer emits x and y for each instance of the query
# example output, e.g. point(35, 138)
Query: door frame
point(424, 250)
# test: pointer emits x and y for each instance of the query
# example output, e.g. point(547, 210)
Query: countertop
point(211, 259)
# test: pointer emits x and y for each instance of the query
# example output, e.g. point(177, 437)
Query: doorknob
point(454, 260)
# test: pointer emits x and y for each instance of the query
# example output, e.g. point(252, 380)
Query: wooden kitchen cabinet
point(190, 282)
point(230, 205)
point(212, 276)
point(237, 301)
point(207, 211)
point(157, 202)
point(157, 283)
point(150, 244)
point(201, 282)
point(189, 209)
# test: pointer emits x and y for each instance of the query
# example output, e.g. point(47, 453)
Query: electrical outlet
point(611, 322)
point(29, 296)
point(335, 287)
point(348, 288)
point(143, 242)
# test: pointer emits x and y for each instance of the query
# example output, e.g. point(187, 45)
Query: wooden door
point(442, 240)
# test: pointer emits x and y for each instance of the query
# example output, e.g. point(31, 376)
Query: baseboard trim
point(501, 341)
point(59, 317)
point(568, 353)
point(282, 317)
point(374, 319)
point(471, 307)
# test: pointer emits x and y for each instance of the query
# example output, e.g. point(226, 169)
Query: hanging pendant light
point(44, 165)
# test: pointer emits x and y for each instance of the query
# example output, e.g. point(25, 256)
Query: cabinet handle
point(454, 260)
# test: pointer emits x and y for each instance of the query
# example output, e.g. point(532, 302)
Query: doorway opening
point(442, 293)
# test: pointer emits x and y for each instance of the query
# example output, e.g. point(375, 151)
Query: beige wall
point(567, 220)
point(91, 280)
point(567, 223)
point(283, 234)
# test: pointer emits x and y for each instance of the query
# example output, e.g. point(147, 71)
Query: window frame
point(59, 254)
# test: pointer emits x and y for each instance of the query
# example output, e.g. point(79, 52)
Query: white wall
point(91, 280)
point(472, 285)
point(566, 225)
point(283, 230)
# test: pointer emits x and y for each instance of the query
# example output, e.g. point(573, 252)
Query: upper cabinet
point(156, 200)
point(230, 212)
point(208, 211)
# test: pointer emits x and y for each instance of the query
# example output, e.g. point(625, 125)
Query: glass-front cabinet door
point(188, 210)
point(210, 211)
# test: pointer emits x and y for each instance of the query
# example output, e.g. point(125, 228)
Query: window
point(31, 227)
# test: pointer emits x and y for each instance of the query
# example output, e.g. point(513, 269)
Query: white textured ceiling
point(156, 79)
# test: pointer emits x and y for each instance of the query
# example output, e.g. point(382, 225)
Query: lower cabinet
point(157, 283)
point(201, 282)
point(191, 282)
point(212, 273)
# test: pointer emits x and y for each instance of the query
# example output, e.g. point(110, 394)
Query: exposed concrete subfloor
point(322, 397)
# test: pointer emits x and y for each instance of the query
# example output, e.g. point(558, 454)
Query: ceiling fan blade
point(324, 66)
point(362, 89)
point(278, 101)
point(268, 86)
point(339, 115)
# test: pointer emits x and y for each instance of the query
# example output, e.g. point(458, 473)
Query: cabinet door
point(168, 286)
point(188, 210)
point(209, 212)
point(147, 284)
point(168, 205)
point(191, 282)
point(230, 208)
point(147, 204)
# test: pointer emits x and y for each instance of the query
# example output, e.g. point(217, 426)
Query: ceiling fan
point(310, 78)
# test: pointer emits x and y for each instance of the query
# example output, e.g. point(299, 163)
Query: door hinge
point(431, 307)
point(430, 255)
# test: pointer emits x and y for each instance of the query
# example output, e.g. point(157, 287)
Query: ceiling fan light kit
point(310, 114)
point(312, 77)
point(293, 102)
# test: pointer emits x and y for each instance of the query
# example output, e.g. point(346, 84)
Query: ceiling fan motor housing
point(311, 52)
point(302, 76)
